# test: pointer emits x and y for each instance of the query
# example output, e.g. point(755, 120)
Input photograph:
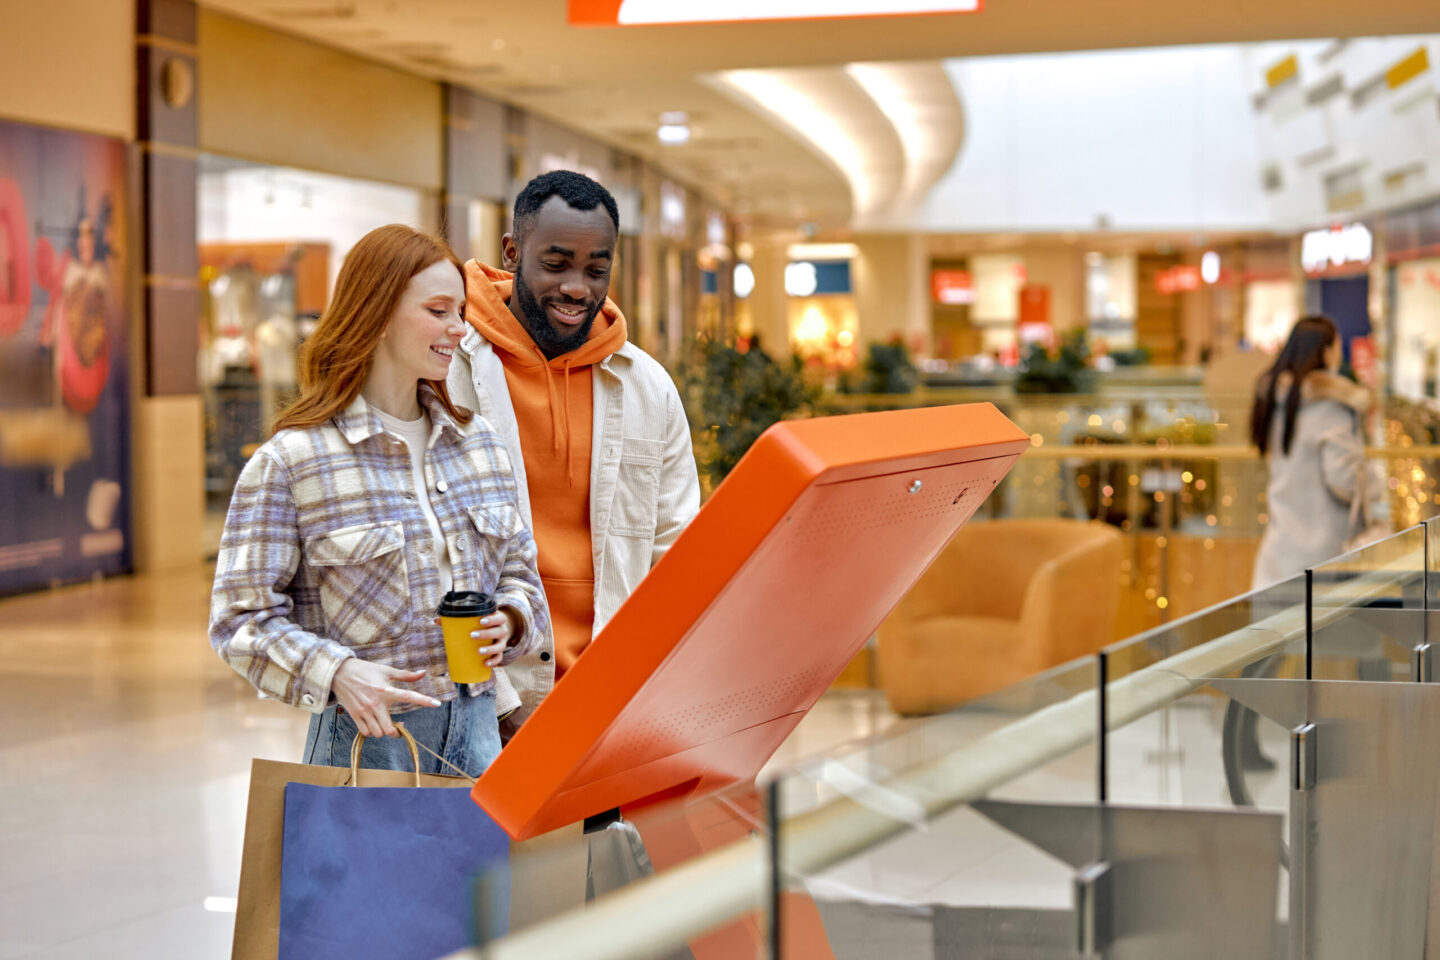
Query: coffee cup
point(460, 612)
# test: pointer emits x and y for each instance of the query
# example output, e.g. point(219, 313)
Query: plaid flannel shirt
point(327, 554)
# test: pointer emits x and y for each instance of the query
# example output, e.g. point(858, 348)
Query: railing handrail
point(719, 886)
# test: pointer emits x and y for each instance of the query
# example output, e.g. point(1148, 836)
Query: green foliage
point(732, 397)
point(1066, 370)
point(1133, 357)
point(889, 369)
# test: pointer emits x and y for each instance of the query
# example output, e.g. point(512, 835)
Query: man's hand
point(365, 690)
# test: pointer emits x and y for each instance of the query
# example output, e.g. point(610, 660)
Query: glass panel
point(1432, 558)
point(1164, 722)
point(912, 743)
point(572, 868)
point(1367, 610)
point(933, 876)
point(1173, 740)
point(898, 796)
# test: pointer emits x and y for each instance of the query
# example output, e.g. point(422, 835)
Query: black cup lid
point(466, 603)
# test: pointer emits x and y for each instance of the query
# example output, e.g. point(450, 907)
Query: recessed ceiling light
point(673, 134)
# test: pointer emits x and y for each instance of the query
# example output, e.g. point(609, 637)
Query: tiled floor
point(127, 745)
point(124, 765)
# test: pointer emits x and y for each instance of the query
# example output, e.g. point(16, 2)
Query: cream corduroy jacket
point(644, 487)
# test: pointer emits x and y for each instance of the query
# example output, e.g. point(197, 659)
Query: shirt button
point(442, 486)
point(461, 544)
point(307, 700)
point(544, 656)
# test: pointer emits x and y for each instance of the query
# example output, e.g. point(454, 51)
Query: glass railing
point(1233, 783)
point(1173, 470)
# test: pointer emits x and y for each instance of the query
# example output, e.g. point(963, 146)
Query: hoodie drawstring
point(569, 447)
point(557, 427)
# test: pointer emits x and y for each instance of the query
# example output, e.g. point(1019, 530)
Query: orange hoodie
point(557, 473)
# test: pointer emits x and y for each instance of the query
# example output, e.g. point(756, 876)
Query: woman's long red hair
point(335, 360)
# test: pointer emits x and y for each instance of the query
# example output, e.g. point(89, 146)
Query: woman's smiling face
point(427, 325)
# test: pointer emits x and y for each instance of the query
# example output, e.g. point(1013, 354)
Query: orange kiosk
point(770, 592)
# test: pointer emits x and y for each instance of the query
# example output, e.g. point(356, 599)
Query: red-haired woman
point(375, 496)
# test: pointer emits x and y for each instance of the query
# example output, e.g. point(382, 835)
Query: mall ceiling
point(613, 83)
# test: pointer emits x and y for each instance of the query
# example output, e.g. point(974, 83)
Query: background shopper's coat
point(1312, 487)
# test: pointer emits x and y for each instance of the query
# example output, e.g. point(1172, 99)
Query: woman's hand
point(365, 690)
point(498, 631)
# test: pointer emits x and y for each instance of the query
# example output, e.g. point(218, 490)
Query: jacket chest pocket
point(637, 488)
point(485, 543)
point(361, 575)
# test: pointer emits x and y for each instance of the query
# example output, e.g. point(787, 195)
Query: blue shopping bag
point(382, 872)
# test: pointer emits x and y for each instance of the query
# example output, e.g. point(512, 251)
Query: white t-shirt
point(416, 434)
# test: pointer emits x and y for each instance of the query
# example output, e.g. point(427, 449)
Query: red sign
point(951, 287)
point(1364, 361)
point(1178, 279)
point(1034, 322)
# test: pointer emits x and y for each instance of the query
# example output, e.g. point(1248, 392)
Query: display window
point(1271, 309)
point(1416, 330)
point(1110, 300)
point(271, 241)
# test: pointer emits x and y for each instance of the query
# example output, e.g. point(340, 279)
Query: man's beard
point(550, 341)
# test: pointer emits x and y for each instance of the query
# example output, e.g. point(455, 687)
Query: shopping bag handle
point(359, 742)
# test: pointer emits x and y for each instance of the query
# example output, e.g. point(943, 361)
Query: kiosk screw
point(915, 486)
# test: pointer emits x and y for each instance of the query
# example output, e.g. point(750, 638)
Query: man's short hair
point(576, 189)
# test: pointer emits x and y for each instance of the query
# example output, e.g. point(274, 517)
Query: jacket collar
point(358, 422)
point(1324, 385)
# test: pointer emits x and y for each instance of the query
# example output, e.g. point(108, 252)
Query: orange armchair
point(1004, 600)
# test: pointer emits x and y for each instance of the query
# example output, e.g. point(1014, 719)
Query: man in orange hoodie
point(594, 425)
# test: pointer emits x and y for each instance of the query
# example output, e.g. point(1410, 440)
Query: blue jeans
point(462, 730)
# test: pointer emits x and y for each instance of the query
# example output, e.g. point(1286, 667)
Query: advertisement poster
point(64, 358)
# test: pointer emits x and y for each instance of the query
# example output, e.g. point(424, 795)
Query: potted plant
point(732, 396)
point(1065, 369)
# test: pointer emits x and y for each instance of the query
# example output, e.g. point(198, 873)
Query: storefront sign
point(1179, 279)
point(1322, 250)
point(1033, 325)
point(952, 287)
point(64, 389)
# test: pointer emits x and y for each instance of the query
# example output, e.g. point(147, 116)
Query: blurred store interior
point(1100, 218)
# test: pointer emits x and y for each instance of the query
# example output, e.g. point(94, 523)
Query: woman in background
point(1307, 423)
point(375, 496)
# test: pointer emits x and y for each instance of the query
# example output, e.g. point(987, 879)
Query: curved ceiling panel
point(828, 111)
point(922, 105)
point(891, 129)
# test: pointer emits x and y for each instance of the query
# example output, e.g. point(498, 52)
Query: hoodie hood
point(487, 309)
